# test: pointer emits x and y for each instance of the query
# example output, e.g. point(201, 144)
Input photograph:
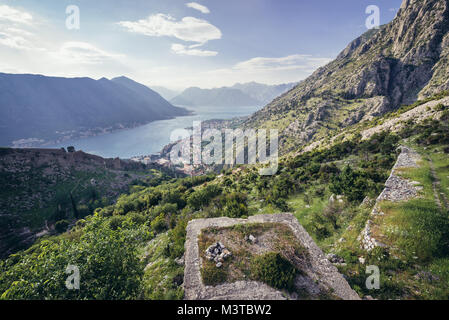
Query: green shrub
point(174, 196)
point(350, 183)
point(274, 270)
point(115, 222)
point(83, 211)
point(232, 205)
point(178, 237)
point(136, 218)
point(159, 224)
point(440, 107)
point(212, 275)
point(202, 197)
point(61, 226)
point(108, 262)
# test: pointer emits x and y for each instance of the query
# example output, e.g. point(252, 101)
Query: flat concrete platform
point(319, 270)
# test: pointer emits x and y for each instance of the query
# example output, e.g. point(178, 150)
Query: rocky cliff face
point(383, 69)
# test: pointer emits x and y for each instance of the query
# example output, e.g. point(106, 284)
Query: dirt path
point(444, 204)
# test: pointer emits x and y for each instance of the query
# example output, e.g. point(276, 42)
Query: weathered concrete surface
point(320, 269)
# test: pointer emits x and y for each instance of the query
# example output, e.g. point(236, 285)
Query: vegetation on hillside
point(131, 249)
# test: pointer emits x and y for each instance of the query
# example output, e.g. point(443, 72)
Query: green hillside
point(132, 249)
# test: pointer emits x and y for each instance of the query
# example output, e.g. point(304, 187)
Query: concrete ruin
point(319, 271)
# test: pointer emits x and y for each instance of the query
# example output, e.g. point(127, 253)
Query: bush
point(83, 211)
point(108, 262)
point(274, 270)
point(159, 224)
point(212, 275)
point(234, 205)
point(61, 226)
point(440, 107)
point(115, 222)
point(351, 183)
point(174, 196)
point(136, 218)
point(202, 197)
point(178, 238)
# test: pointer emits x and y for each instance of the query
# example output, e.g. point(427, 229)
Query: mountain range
point(385, 68)
point(166, 93)
point(40, 109)
point(365, 175)
point(246, 94)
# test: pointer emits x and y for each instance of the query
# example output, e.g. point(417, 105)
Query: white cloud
point(10, 14)
point(269, 70)
point(292, 62)
point(190, 51)
point(28, 44)
point(11, 41)
point(11, 33)
point(17, 39)
point(187, 29)
point(199, 7)
point(83, 52)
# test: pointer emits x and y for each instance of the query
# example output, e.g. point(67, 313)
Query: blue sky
point(181, 43)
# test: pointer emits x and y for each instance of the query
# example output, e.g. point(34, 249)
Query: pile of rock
point(333, 258)
point(251, 239)
point(217, 253)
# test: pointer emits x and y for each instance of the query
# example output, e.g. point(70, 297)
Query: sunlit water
point(151, 138)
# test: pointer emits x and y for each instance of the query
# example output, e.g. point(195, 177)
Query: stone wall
point(396, 189)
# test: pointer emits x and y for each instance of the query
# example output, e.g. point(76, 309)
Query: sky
point(180, 43)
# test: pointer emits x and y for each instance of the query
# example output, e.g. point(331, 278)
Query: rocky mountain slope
point(38, 108)
point(383, 69)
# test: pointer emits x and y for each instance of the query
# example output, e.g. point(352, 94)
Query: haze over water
point(152, 137)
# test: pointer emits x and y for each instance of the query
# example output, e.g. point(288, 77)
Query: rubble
point(251, 239)
point(333, 258)
point(217, 253)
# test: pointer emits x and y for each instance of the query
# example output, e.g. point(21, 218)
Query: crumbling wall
point(396, 189)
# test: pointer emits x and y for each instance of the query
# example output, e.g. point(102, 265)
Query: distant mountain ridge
point(219, 97)
point(263, 92)
point(40, 108)
point(166, 93)
point(239, 95)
